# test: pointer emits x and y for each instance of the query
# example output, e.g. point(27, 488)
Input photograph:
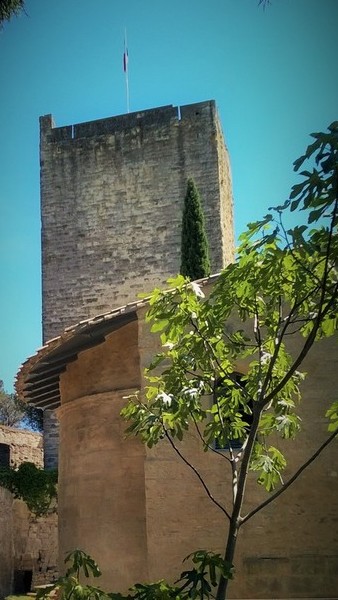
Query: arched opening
point(22, 581)
point(5, 455)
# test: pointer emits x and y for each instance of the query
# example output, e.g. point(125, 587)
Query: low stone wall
point(34, 543)
point(25, 446)
point(28, 544)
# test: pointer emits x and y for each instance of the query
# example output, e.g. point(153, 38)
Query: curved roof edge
point(37, 381)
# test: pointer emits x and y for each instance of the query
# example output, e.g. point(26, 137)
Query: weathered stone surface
point(140, 511)
point(27, 543)
point(50, 439)
point(279, 546)
point(102, 486)
point(25, 446)
point(6, 542)
point(112, 193)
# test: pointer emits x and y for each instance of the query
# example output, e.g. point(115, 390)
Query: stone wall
point(25, 446)
point(112, 194)
point(50, 439)
point(102, 495)
point(27, 543)
point(35, 543)
point(152, 509)
point(289, 549)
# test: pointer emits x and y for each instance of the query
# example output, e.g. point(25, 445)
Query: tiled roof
point(38, 379)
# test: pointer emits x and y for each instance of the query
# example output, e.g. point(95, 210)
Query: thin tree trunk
point(228, 558)
point(235, 519)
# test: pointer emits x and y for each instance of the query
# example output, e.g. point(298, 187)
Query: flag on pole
point(125, 67)
point(125, 56)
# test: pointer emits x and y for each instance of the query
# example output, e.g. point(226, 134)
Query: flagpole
point(125, 68)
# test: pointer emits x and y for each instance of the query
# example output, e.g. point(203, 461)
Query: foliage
point(284, 283)
point(16, 413)
point(37, 487)
point(10, 409)
point(69, 587)
point(195, 262)
point(199, 581)
point(195, 583)
point(32, 418)
point(8, 8)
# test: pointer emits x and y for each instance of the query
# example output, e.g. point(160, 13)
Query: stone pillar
point(101, 492)
point(50, 439)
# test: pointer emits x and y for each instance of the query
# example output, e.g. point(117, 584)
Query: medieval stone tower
point(112, 193)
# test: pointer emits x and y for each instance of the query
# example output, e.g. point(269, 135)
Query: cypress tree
point(195, 262)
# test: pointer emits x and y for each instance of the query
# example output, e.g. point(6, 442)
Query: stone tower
point(112, 194)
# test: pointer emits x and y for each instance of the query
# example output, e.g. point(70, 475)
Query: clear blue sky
point(273, 74)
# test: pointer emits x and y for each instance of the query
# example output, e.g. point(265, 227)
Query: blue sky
point(272, 73)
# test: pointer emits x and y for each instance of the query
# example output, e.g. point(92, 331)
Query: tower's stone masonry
point(112, 193)
point(50, 439)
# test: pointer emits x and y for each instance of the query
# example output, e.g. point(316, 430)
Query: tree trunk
point(235, 520)
point(228, 558)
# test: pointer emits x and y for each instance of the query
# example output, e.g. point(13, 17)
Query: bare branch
point(185, 460)
point(287, 484)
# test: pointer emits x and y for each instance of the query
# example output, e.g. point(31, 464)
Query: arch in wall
point(5, 455)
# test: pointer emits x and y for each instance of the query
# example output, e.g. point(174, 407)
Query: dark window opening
point(5, 455)
point(237, 443)
point(22, 581)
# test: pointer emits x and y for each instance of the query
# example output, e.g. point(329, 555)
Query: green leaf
point(298, 163)
point(270, 463)
point(159, 325)
point(315, 214)
point(332, 414)
point(295, 204)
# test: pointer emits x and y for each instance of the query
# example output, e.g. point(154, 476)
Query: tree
point(195, 262)
point(8, 8)
point(16, 413)
point(11, 413)
point(284, 283)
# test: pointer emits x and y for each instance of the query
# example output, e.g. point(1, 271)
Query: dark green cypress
point(195, 262)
